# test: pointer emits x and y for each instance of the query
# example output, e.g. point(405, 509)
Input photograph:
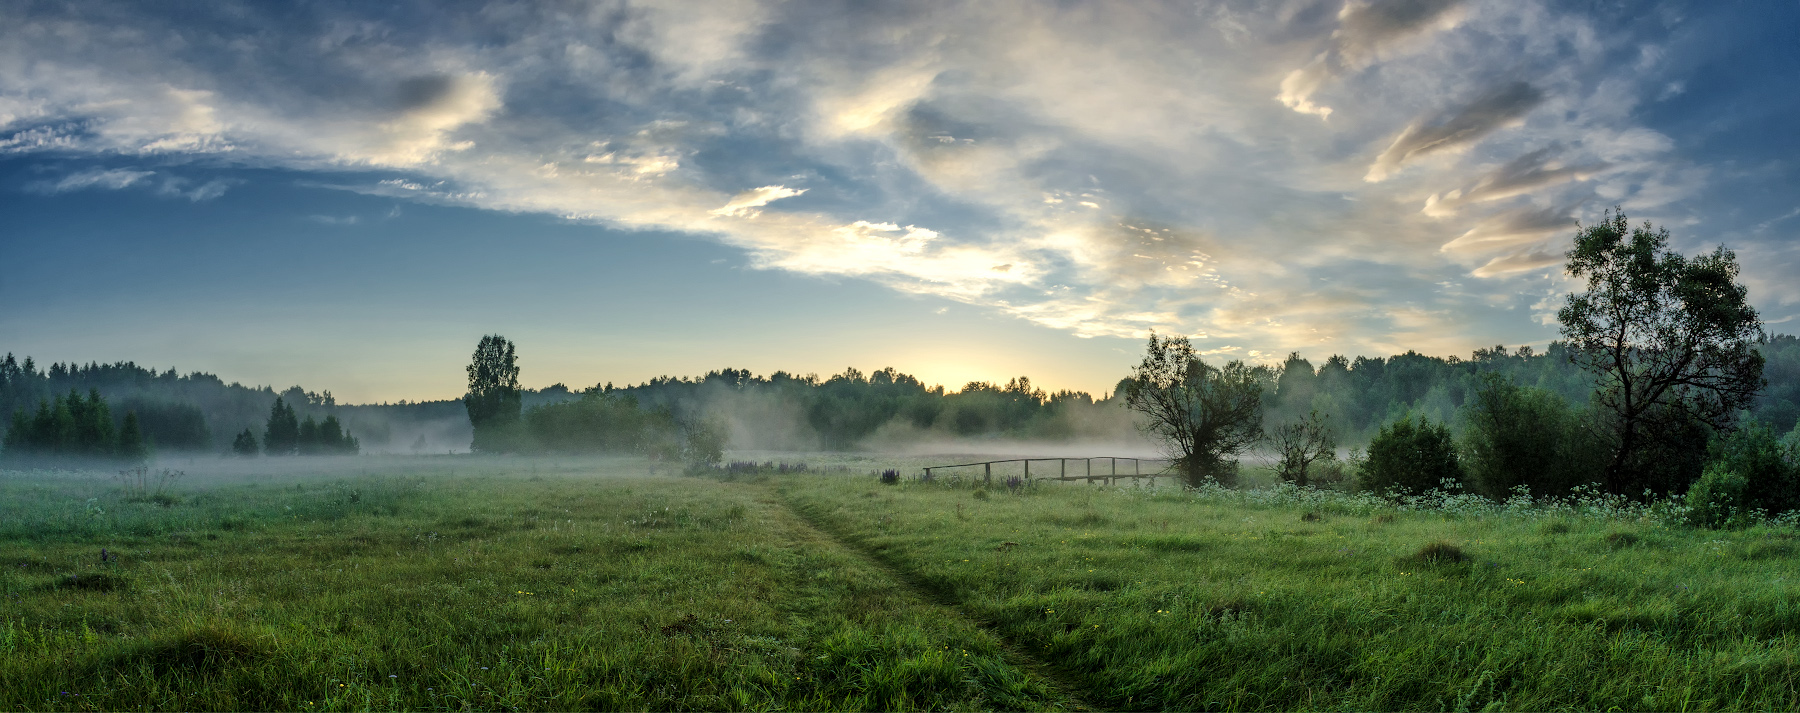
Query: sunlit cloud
point(747, 203)
point(1365, 31)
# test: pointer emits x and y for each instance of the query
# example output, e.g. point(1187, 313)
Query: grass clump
point(94, 582)
point(1438, 553)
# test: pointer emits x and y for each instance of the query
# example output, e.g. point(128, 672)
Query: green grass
point(1167, 600)
point(590, 587)
point(441, 583)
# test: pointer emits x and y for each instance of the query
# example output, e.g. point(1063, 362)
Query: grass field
point(458, 583)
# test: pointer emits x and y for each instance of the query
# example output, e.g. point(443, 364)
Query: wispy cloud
point(746, 204)
point(1365, 31)
point(111, 179)
point(1458, 127)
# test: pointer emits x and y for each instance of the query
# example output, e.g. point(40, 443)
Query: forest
point(201, 413)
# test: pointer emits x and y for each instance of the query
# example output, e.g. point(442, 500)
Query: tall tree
point(1204, 415)
point(1671, 339)
point(309, 441)
point(281, 437)
point(493, 400)
point(132, 446)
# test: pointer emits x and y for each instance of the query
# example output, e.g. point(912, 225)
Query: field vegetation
point(455, 583)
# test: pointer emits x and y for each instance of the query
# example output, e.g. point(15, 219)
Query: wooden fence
point(1110, 463)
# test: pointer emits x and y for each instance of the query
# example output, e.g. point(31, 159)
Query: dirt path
point(815, 533)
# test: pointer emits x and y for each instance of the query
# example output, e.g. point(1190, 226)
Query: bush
point(703, 442)
point(1523, 436)
point(1410, 458)
point(1769, 468)
point(1717, 498)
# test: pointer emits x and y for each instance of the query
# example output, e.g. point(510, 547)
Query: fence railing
point(1086, 468)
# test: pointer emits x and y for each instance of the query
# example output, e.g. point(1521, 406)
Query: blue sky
point(348, 197)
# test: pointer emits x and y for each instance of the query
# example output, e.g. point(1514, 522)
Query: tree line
point(73, 427)
point(286, 435)
point(1672, 358)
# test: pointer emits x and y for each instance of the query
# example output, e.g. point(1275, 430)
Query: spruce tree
point(332, 438)
point(309, 443)
point(18, 437)
point(245, 444)
point(62, 432)
point(282, 435)
point(94, 427)
point(132, 446)
point(43, 428)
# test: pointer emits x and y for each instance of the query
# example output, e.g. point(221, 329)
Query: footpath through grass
point(1172, 601)
point(593, 587)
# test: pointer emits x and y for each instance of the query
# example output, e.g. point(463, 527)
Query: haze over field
point(345, 196)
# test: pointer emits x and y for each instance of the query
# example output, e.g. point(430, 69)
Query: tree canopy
point(1672, 341)
point(1204, 415)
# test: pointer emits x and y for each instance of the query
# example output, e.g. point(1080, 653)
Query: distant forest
point(200, 413)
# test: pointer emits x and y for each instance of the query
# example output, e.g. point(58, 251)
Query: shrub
point(1717, 497)
point(890, 476)
point(703, 442)
point(1768, 466)
point(1410, 458)
point(1524, 436)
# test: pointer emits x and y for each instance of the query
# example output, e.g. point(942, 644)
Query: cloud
point(1452, 129)
point(429, 107)
point(115, 179)
point(746, 204)
point(1522, 175)
point(1523, 261)
point(1511, 229)
point(111, 179)
point(183, 188)
point(1364, 31)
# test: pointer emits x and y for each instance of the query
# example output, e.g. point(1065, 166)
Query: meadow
point(465, 583)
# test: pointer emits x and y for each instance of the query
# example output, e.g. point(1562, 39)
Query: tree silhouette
point(493, 399)
point(1672, 340)
point(1204, 415)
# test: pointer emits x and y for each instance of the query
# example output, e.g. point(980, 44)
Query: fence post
point(1028, 469)
point(987, 473)
point(1062, 468)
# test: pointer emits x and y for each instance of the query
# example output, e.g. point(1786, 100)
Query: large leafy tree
point(493, 400)
point(1671, 339)
point(1204, 415)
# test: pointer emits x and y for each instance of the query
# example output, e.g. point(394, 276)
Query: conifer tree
point(245, 444)
point(18, 437)
point(132, 446)
point(309, 442)
point(282, 435)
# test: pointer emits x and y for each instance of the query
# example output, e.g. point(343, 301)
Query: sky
point(347, 196)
